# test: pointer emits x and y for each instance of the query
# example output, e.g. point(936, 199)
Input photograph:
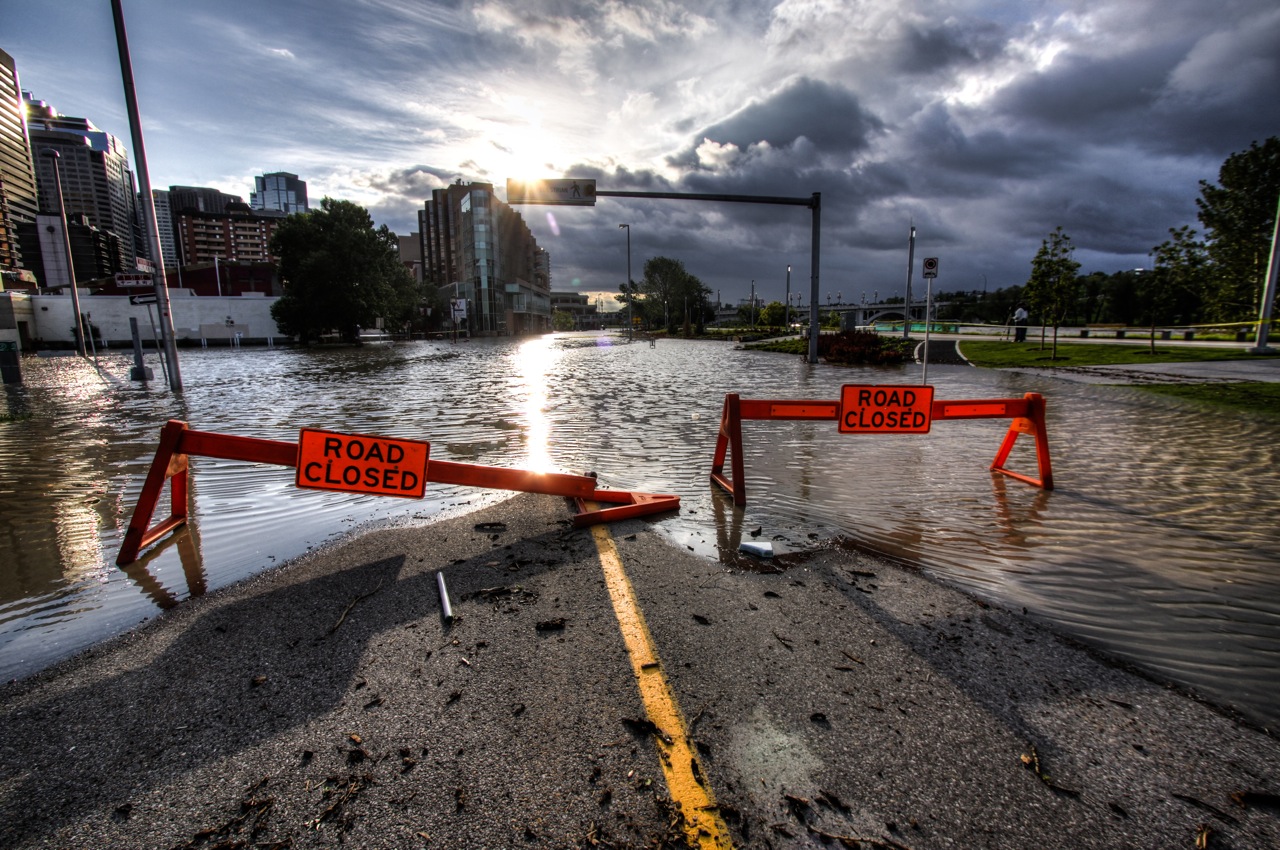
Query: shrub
point(863, 348)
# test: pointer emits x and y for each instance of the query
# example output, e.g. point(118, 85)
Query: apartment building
point(238, 234)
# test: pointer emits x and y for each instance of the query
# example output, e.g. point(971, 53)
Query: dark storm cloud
point(829, 116)
point(416, 181)
point(930, 49)
point(1082, 96)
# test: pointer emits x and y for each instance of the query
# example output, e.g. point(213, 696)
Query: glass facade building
point(281, 191)
point(477, 248)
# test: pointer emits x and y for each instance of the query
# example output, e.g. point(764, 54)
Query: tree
point(1239, 218)
point(673, 295)
point(1051, 289)
point(1173, 289)
point(339, 273)
point(629, 297)
point(773, 314)
point(562, 321)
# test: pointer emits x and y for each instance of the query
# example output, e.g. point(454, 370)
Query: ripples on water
point(1160, 541)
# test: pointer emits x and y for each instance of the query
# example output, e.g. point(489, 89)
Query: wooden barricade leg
point(730, 439)
point(169, 465)
point(1034, 424)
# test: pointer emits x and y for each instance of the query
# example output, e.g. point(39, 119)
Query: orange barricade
point(897, 415)
point(357, 463)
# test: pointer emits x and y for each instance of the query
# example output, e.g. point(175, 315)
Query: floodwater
point(1161, 542)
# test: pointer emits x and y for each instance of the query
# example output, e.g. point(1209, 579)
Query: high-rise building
point(18, 202)
point(477, 248)
point(164, 224)
point(94, 253)
point(200, 199)
point(281, 191)
point(97, 179)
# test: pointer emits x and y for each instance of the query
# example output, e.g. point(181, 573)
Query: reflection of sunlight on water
point(534, 360)
point(1149, 546)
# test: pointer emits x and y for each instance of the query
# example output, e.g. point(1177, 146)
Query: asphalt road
point(831, 699)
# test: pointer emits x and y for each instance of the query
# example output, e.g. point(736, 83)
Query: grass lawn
point(998, 353)
point(1255, 397)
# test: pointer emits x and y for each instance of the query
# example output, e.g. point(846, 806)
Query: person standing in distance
point(1020, 317)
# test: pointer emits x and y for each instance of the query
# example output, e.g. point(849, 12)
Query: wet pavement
point(843, 701)
point(1265, 369)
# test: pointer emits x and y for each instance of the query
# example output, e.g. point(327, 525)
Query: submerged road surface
point(608, 688)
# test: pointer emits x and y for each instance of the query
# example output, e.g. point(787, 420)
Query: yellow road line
point(704, 828)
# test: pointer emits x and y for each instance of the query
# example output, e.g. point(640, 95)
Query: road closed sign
point(356, 463)
point(885, 409)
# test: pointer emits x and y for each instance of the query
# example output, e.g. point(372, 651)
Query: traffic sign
point(571, 191)
point(930, 266)
point(354, 463)
point(885, 409)
point(149, 298)
point(130, 279)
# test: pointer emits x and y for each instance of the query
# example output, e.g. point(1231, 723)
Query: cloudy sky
point(986, 123)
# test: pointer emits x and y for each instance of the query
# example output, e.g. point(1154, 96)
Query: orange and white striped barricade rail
point(883, 409)
point(328, 460)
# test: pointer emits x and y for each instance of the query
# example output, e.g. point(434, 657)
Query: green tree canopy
point(339, 273)
point(670, 293)
point(1051, 289)
point(773, 314)
point(1239, 219)
point(1172, 291)
point(562, 321)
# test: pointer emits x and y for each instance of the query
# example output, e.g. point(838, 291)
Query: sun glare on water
point(536, 357)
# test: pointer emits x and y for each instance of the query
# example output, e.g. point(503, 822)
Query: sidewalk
point(1266, 369)
point(835, 700)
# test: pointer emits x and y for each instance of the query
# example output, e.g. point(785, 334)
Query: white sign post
point(930, 272)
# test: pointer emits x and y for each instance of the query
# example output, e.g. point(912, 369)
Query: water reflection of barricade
point(346, 462)
point(883, 410)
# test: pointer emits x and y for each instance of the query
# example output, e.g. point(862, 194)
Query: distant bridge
point(860, 315)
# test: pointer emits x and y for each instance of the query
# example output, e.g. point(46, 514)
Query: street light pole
point(788, 298)
point(631, 296)
point(753, 305)
point(911, 258)
point(66, 248)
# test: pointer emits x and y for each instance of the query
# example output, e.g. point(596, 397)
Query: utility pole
point(788, 298)
point(906, 308)
point(631, 296)
point(148, 203)
point(1268, 293)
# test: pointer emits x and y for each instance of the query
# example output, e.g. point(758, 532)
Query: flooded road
point(1160, 543)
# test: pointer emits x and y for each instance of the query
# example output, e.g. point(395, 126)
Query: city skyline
point(984, 124)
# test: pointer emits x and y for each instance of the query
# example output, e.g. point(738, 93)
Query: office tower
point(199, 199)
point(477, 248)
point(164, 223)
point(97, 179)
point(281, 191)
point(18, 202)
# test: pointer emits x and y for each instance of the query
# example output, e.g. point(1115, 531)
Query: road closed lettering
point(885, 409)
point(357, 463)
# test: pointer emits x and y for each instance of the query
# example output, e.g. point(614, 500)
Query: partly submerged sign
point(570, 191)
point(885, 409)
point(355, 463)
